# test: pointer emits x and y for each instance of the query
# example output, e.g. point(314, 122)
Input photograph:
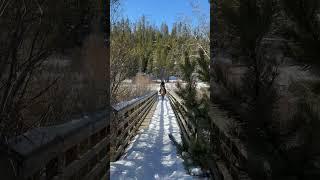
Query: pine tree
point(203, 70)
point(305, 30)
point(251, 21)
point(302, 28)
point(196, 106)
point(188, 93)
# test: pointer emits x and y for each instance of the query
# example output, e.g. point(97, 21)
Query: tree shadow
point(153, 155)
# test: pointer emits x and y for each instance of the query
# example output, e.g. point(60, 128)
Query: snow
point(202, 85)
point(124, 104)
point(152, 155)
point(42, 137)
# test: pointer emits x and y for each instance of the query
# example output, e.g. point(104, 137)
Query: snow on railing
point(127, 117)
point(124, 104)
point(77, 149)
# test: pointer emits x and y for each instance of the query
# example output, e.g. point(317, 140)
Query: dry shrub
point(142, 85)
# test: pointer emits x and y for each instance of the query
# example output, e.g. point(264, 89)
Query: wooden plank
point(140, 112)
point(147, 120)
point(132, 115)
point(136, 123)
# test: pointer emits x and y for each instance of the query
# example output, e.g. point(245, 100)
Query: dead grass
point(80, 88)
point(140, 85)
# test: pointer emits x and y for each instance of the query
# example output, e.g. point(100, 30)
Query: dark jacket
point(162, 85)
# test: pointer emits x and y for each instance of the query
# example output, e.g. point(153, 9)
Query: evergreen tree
point(302, 27)
point(305, 29)
point(203, 70)
point(196, 107)
point(251, 21)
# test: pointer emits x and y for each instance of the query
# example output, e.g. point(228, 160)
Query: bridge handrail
point(76, 149)
point(188, 129)
point(122, 106)
point(126, 119)
point(180, 111)
point(228, 144)
point(181, 107)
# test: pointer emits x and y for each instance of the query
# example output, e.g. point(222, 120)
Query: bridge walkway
point(152, 155)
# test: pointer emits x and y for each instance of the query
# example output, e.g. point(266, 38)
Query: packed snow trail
point(152, 155)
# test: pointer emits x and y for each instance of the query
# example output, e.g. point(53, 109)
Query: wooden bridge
point(140, 145)
point(152, 155)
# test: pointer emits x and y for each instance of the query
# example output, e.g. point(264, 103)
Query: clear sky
point(169, 11)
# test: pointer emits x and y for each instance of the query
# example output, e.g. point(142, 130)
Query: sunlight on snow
point(152, 155)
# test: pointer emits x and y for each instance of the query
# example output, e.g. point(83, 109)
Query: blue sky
point(158, 11)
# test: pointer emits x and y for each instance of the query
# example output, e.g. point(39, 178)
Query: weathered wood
point(128, 118)
point(187, 130)
point(182, 124)
point(77, 149)
point(231, 149)
point(45, 150)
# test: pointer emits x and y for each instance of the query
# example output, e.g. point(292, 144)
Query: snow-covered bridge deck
point(152, 155)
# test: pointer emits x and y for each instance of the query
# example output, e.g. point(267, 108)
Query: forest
point(141, 47)
point(259, 118)
point(263, 69)
point(265, 73)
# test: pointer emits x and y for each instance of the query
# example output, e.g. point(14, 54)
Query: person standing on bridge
point(162, 90)
point(162, 85)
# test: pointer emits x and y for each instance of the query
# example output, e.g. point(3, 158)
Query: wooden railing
point(231, 149)
point(188, 130)
point(180, 111)
point(74, 150)
point(126, 119)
